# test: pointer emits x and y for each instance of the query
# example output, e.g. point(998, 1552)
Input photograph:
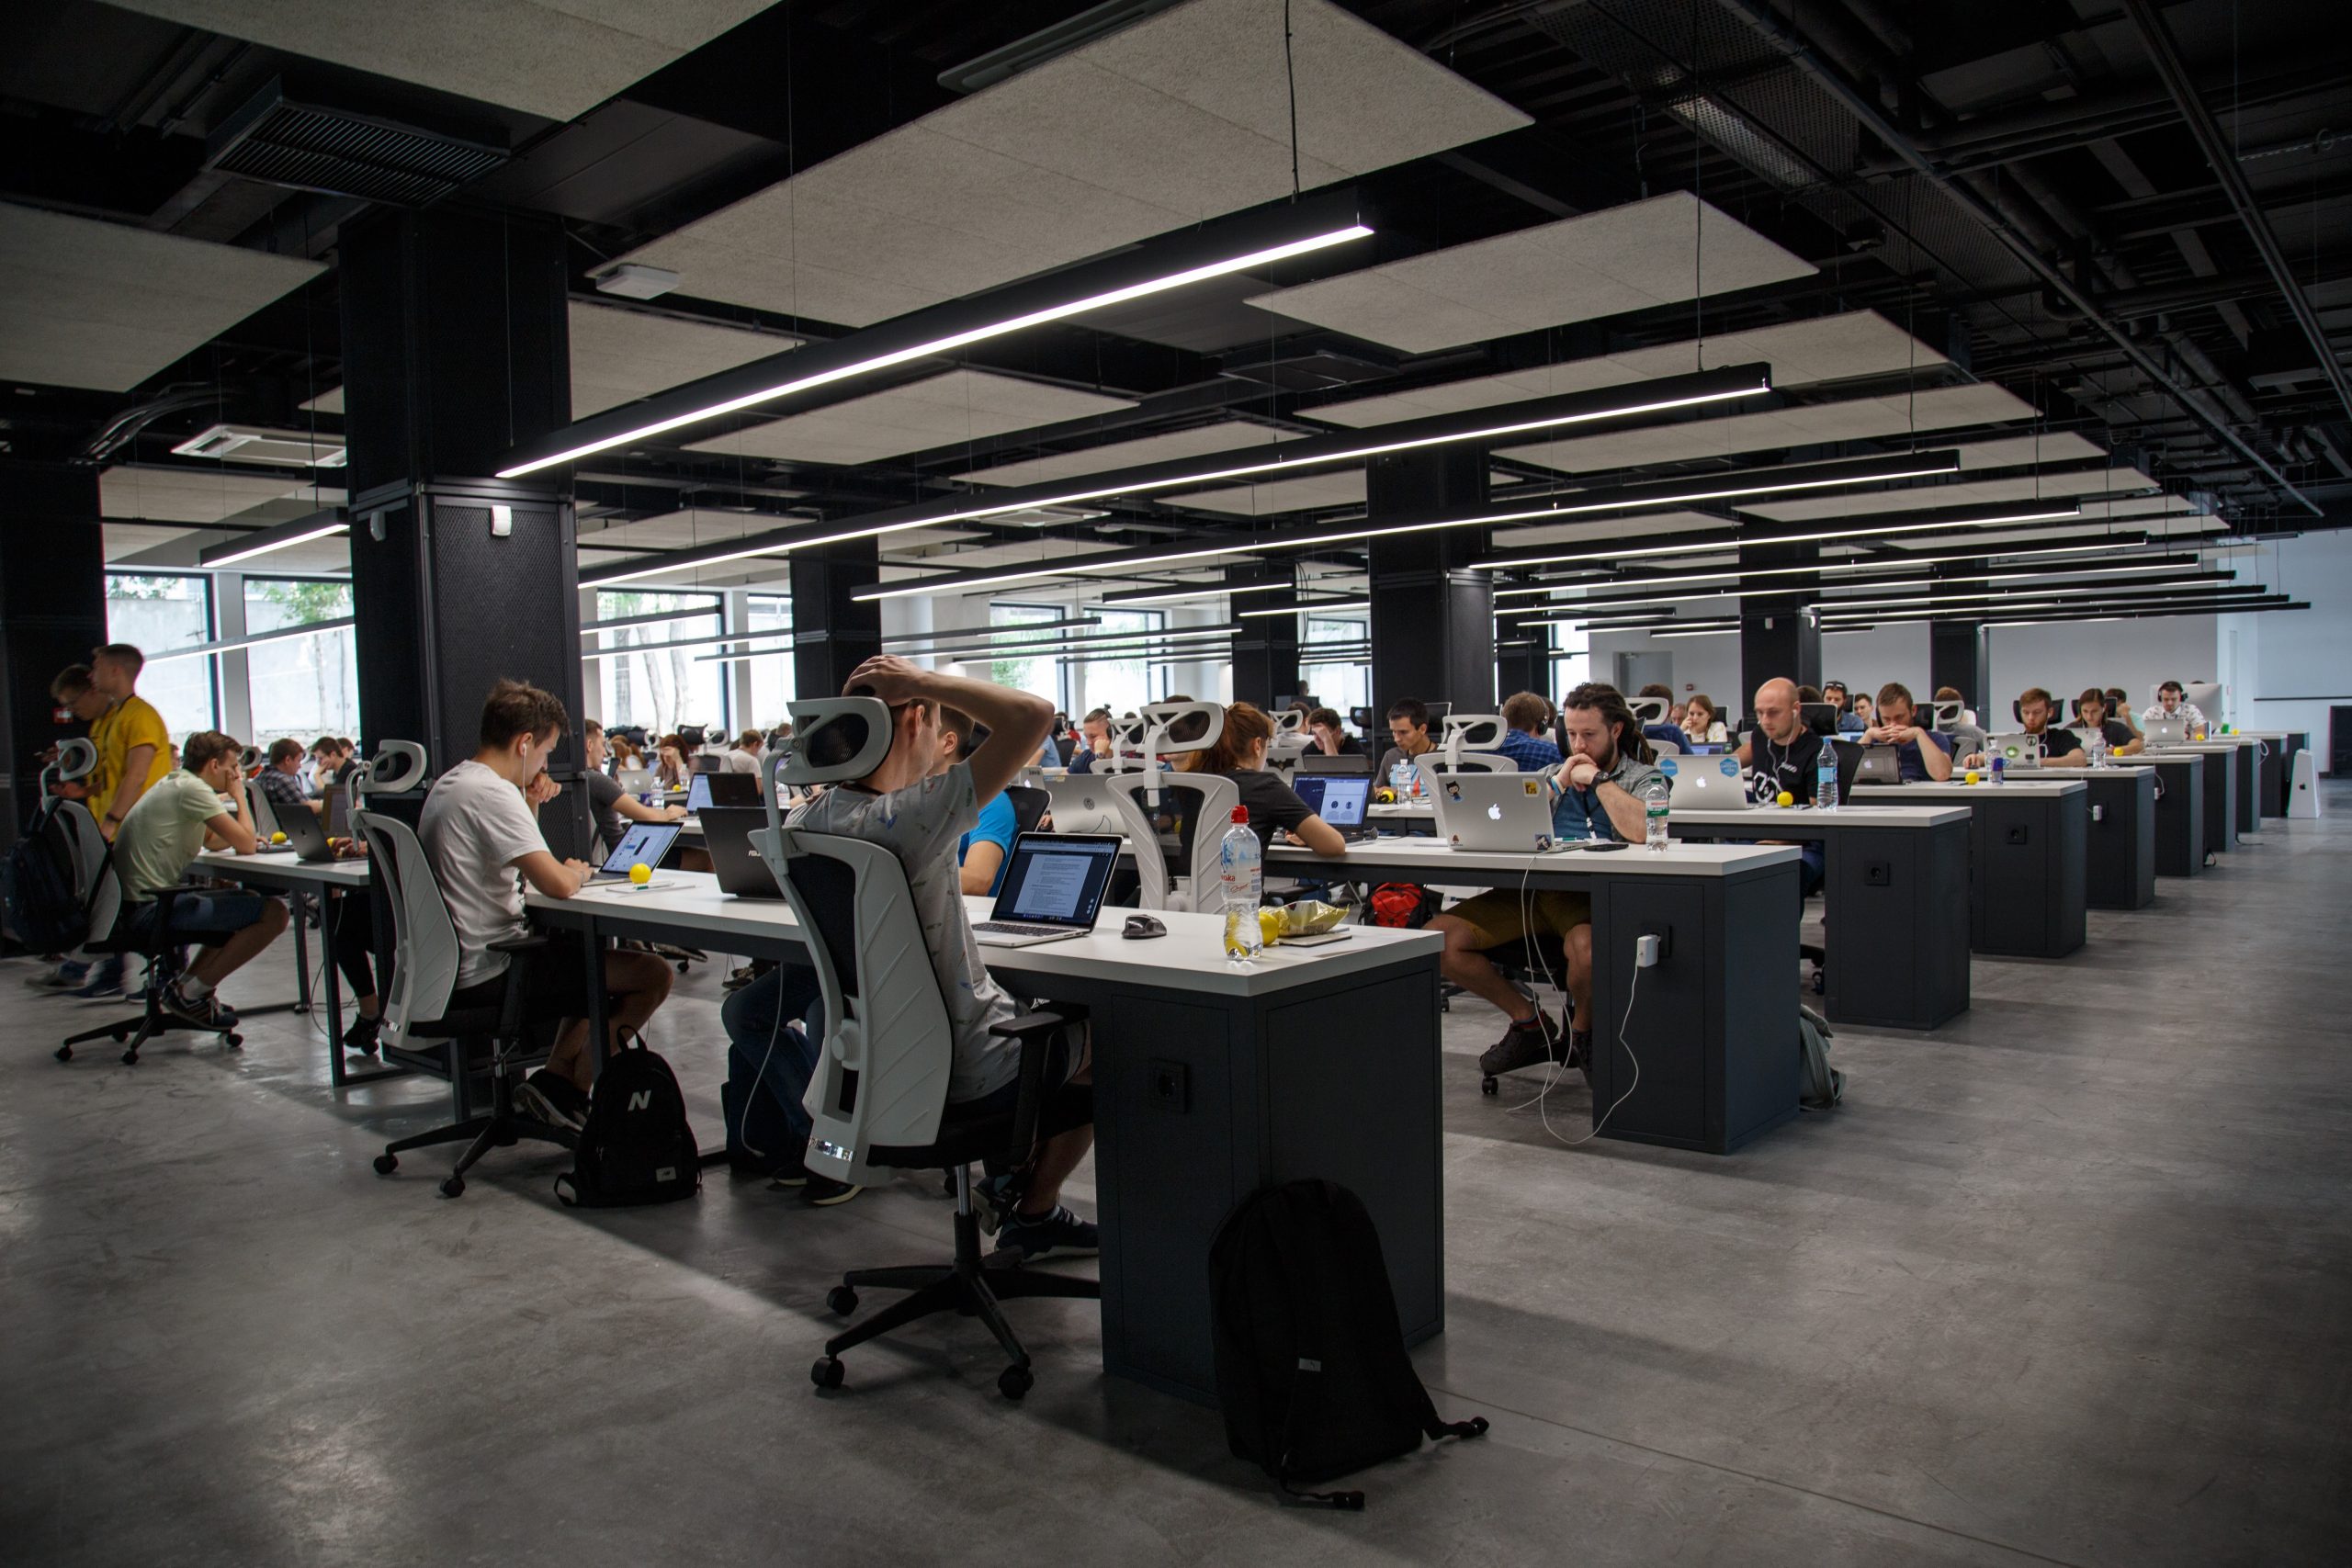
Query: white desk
point(280, 871)
point(2027, 844)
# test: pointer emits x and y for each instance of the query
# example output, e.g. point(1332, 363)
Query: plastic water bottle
point(1825, 779)
point(2096, 747)
point(1241, 883)
point(1653, 796)
point(1400, 780)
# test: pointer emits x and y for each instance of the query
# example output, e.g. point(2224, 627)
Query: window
point(1031, 673)
point(157, 614)
point(771, 685)
point(1123, 685)
point(1571, 659)
point(302, 686)
point(1345, 683)
point(662, 688)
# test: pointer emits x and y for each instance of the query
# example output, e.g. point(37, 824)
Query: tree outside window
point(662, 689)
point(301, 686)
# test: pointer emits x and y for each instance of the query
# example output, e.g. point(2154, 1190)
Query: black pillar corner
point(1780, 633)
point(1956, 658)
point(1265, 652)
point(53, 611)
point(1433, 616)
point(833, 632)
point(1523, 663)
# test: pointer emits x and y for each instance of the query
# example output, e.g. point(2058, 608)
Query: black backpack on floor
point(37, 887)
point(637, 1148)
point(1311, 1370)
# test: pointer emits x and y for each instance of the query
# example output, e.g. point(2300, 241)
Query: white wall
point(2064, 659)
point(1864, 660)
point(2304, 655)
point(1867, 661)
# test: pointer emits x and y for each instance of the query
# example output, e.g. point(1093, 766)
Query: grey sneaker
point(1523, 1045)
point(555, 1100)
point(1025, 1238)
point(207, 1012)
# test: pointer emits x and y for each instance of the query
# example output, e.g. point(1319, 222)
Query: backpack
point(637, 1148)
point(1311, 1371)
point(36, 888)
point(1402, 905)
point(1819, 1085)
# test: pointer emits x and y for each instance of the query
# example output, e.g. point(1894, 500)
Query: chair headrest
point(834, 739)
point(249, 758)
point(1947, 712)
point(397, 765)
point(1476, 731)
point(1172, 727)
point(1648, 710)
point(76, 758)
point(1288, 721)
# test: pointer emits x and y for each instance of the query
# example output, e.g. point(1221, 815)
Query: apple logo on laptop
point(1495, 812)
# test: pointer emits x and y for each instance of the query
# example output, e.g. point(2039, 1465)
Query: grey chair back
point(425, 939)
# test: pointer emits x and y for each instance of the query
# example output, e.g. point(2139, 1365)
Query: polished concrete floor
point(2069, 1281)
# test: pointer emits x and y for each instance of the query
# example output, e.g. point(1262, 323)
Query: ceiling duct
point(280, 141)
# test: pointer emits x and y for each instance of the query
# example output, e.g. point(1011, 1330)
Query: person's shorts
point(555, 988)
point(1502, 917)
point(1062, 1108)
point(206, 918)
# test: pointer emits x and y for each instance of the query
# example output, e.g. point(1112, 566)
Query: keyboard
point(1019, 928)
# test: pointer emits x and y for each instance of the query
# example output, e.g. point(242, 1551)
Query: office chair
point(112, 931)
point(1467, 745)
point(1203, 805)
point(421, 1031)
point(1648, 710)
point(85, 843)
point(878, 1099)
point(1029, 806)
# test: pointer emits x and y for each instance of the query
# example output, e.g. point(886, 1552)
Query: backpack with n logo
point(637, 1148)
point(1819, 1085)
point(1311, 1371)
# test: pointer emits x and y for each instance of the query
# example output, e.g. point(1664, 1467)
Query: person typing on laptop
point(1240, 753)
point(2059, 748)
point(2172, 701)
point(1921, 755)
point(609, 805)
point(2092, 711)
point(1595, 796)
point(1783, 753)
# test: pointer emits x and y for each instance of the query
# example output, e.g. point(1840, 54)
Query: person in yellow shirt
point(134, 749)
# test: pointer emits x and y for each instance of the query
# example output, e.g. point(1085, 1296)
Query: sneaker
point(359, 1040)
point(1580, 1049)
point(1024, 1238)
point(207, 1012)
point(1523, 1045)
point(995, 1199)
point(64, 977)
point(106, 980)
point(544, 1096)
point(824, 1191)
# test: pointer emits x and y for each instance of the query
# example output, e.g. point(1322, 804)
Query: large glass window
point(301, 686)
point(1344, 683)
point(1571, 659)
point(665, 689)
point(771, 685)
point(1123, 685)
point(1029, 672)
point(157, 614)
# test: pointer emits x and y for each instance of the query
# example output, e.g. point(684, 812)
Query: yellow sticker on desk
point(1530, 786)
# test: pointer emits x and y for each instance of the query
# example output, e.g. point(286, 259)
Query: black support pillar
point(1780, 633)
point(1956, 658)
point(53, 611)
point(1432, 617)
point(1265, 652)
point(832, 631)
point(1522, 664)
point(455, 347)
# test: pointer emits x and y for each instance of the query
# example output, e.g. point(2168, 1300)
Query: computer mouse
point(1139, 927)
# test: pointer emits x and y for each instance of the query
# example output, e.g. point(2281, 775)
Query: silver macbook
point(1052, 888)
point(1083, 805)
point(2016, 751)
point(636, 780)
point(2164, 731)
point(1705, 783)
point(1880, 765)
point(1505, 813)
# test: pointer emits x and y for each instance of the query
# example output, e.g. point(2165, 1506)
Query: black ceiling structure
point(2138, 219)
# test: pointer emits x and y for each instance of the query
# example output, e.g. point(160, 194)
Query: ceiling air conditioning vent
point(253, 444)
point(282, 143)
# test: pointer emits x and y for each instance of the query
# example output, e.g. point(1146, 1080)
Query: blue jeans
point(209, 919)
point(754, 1018)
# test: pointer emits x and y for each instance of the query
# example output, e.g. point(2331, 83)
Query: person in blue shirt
point(1848, 721)
point(1672, 732)
point(982, 851)
point(1524, 717)
point(1922, 755)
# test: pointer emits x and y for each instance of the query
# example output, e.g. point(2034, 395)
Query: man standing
point(134, 749)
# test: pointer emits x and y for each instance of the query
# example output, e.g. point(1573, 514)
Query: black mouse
point(1138, 926)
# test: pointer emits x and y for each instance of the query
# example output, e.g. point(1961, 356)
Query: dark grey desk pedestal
point(2246, 774)
point(2221, 800)
point(2180, 816)
point(2120, 872)
point(2026, 850)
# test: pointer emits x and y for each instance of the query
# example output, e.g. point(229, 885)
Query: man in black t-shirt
point(2059, 748)
point(1784, 753)
point(608, 802)
point(2092, 712)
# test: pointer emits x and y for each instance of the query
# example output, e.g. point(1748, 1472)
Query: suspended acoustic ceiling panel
point(2028, 451)
point(1182, 116)
point(1310, 492)
point(1809, 425)
point(187, 495)
point(1578, 269)
point(556, 58)
point(105, 306)
point(1964, 492)
point(1828, 348)
point(1225, 436)
point(961, 405)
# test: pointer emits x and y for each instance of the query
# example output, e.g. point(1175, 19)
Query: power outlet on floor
point(1878, 874)
point(1171, 1086)
point(2016, 835)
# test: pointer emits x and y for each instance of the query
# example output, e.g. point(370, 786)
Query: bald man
point(1785, 756)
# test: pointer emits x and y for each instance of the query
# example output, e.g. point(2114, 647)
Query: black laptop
point(707, 790)
point(1340, 799)
point(305, 834)
point(727, 833)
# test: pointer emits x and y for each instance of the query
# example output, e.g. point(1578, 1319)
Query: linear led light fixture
point(623, 650)
point(2153, 564)
point(2186, 580)
point(967, 632)
point(230, 645)
point(1016, 638)
point(1209, 590)
point(278, 536)
point(1311, 607)
point(2207, 603)
point(1315, 451)
point(1699, 541)
point(2185, 568)
point(1308, 227)
point(2158, 615)
point(1700, 631)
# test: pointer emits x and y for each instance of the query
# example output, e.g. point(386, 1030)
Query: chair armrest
point(530, 943)
point(1034, 1030)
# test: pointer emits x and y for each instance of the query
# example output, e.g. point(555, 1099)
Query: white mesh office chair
point(878, 1097)
point(1166, 814)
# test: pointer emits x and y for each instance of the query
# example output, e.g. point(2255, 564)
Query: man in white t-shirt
point(921, 816)
point(481, 831)
point(2172, 701)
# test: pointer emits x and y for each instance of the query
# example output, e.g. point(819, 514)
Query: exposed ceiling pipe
point(1760, 17)
point(2207, 131)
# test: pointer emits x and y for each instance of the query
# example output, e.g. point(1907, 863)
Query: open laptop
point(305, 834)
point(636, 780)
point(338, 820)
point(1083, 805)
point(1705, 783)
point(1345, 763)
point(727, 833)
point(1506, 813)
point(644, 841)
point(1052, 889)
point(1340, 799)
point(1879, 765)
point(2015, 750)
point(2164, 731)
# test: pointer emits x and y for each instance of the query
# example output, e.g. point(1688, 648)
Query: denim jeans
point(754, 1018)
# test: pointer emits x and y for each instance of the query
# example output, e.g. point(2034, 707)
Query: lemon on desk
point(1784, 798)
point(1270, 926)
point(640, 874)
point(277, 838)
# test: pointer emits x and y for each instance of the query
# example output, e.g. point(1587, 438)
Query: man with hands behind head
point(1923, 756)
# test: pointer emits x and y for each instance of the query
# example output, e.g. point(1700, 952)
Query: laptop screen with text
point(1058, 879)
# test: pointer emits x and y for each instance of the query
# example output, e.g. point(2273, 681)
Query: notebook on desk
point(1052, 888)
point(2164, 731)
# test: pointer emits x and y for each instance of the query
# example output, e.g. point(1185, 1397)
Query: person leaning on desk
point(1922, 755)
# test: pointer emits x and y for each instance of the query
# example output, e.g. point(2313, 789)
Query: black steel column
point(1265, 653)
point(1780, 633)
point(1956, 658)
point(1523, 663)
point(1432, 618)
point(833, 632)
point(53, 611)
point(456, 347)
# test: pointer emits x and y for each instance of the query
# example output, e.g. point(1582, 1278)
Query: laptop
point(2164, 731)
point(644, 841)
point(1879, 765)
point(2016, 750)
point(1340, 799)
point(1705, 783)
point(1083, 805)
point(706, 790)
point(1508, 812)
point(636, 780)
point(338, 812)
point(1710, 747)
point(727, 833)
point(1052, 889)
point(1345, 763)
point(305, 835)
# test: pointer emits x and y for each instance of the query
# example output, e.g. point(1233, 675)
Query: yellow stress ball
point(1784, 798)
point(640, 874)
point(1270, 926)
point(1972, 775)
point(277, 838)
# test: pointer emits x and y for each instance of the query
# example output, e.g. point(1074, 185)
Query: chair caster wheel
point(682, 965)
point(1014, 1381)
point(234, 1042)
point(131, 1058)
point(453, 1187)
point(1490, 1086)
point(840, 1301)
point(119, 1035)
point(827, 1373)
point(64, 1052)
point(386, 1164)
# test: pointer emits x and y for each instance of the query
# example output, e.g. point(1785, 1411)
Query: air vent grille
point(283, 142)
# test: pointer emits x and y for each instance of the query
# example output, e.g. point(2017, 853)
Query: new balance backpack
point(36, 888)
point(637, 1148)
point(1311, 1371)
